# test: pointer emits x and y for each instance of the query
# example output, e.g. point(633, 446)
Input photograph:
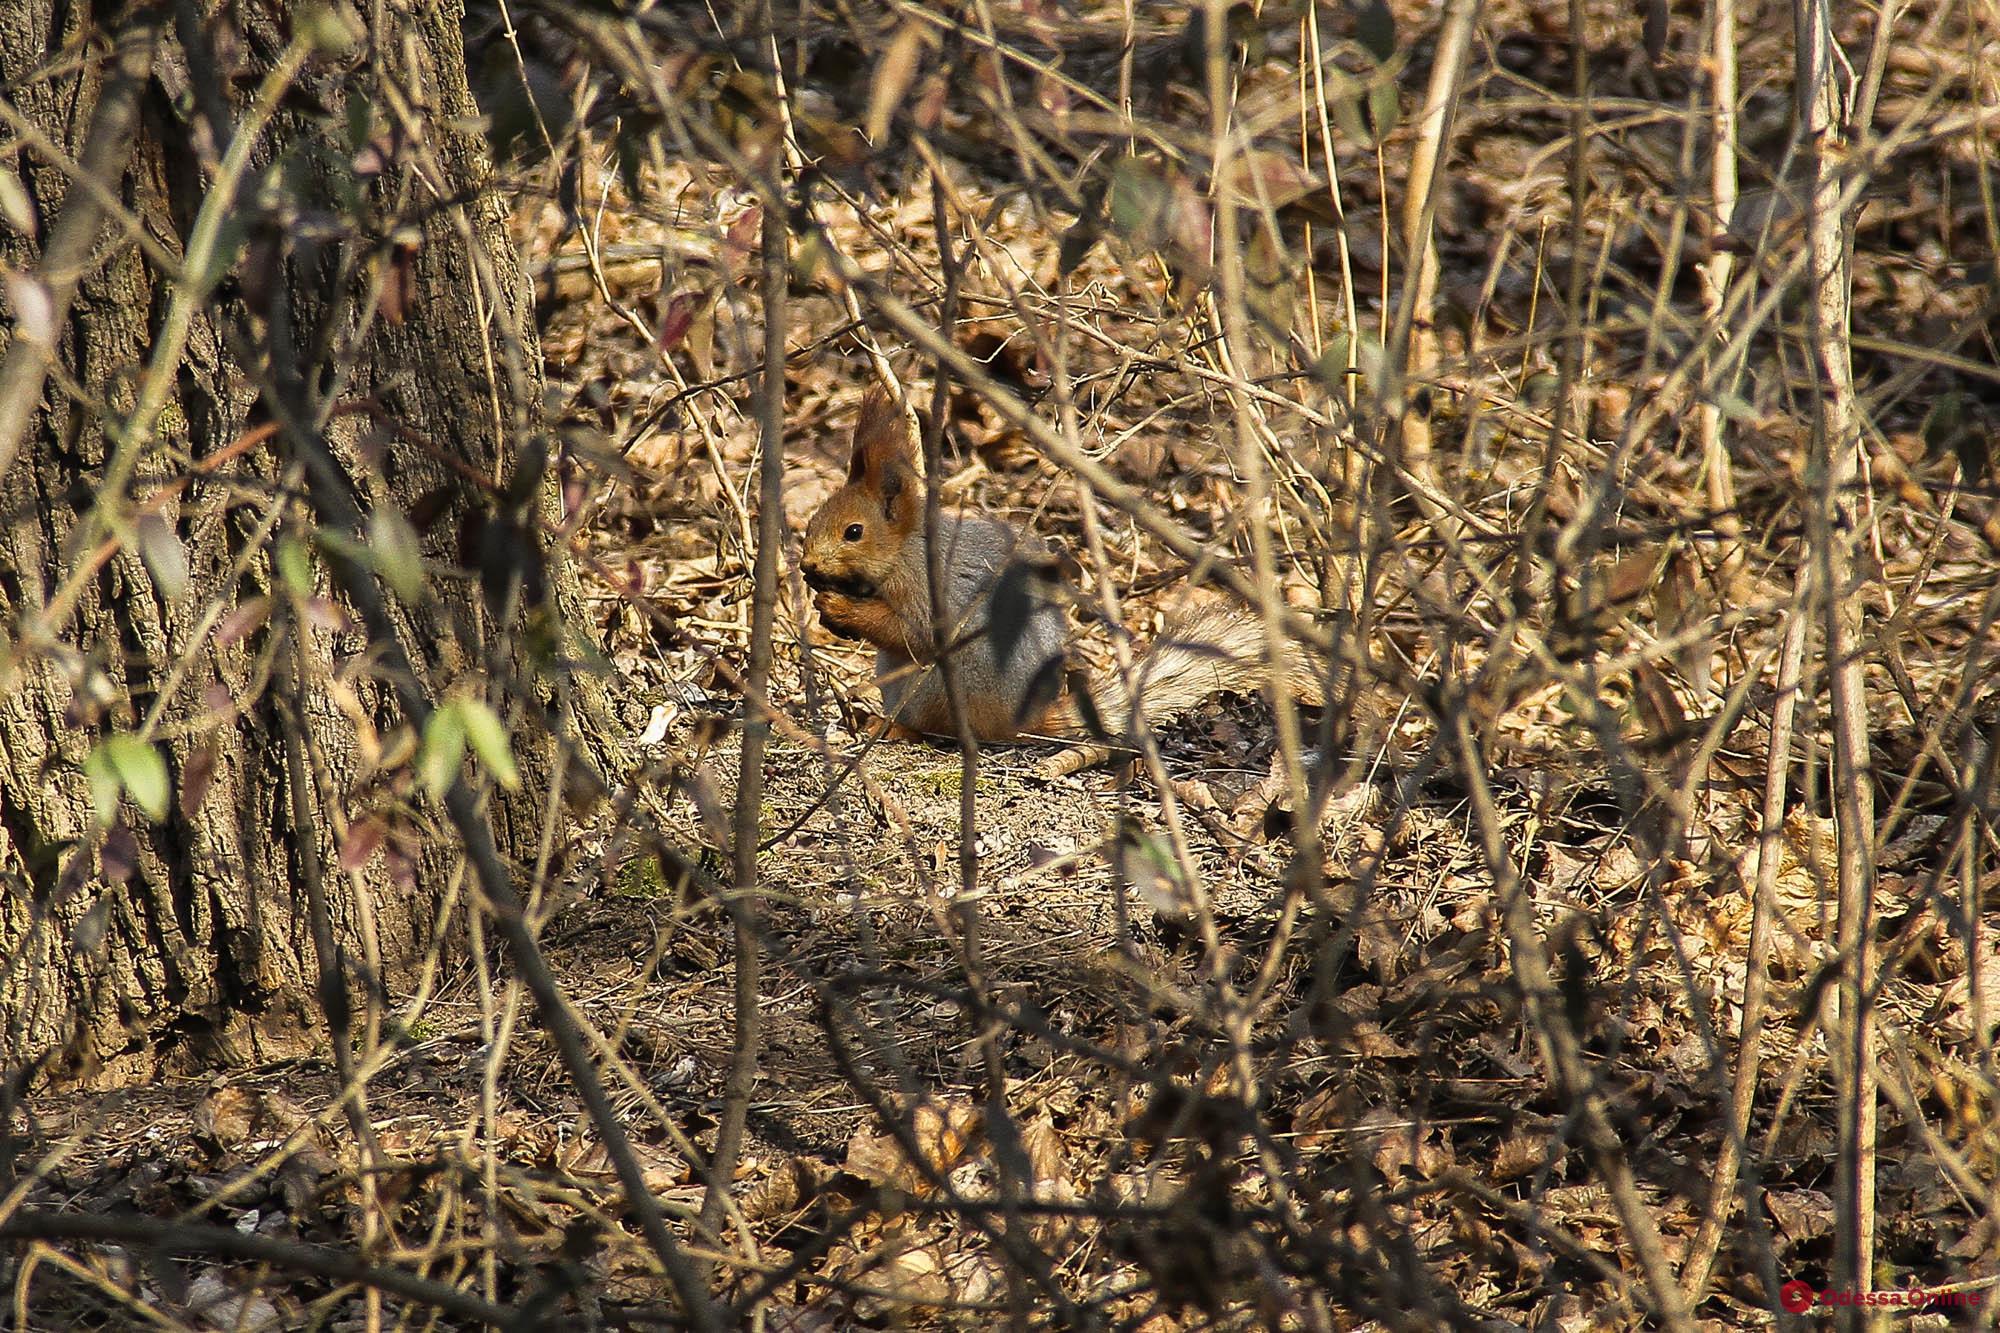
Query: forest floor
point(1132, 938)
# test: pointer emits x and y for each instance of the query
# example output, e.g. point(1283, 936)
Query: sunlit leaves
point(489, 741)
point(459, 724)
point(17, 210)
point(294, 567)
point(164, 553)
point(393, 550)
point(1366, 113)
point(333, 29)
point(34, 308)
point(130, 765)
point(1146, 862)
point(442, 751)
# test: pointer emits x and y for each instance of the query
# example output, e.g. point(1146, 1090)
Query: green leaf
point(443, 749)
point(1734, 408)
point(1375, 29)
point(1346, 107)
point(394, 555)
point(294, 568)
point(332, 29)
point(1139, 200)
point(1148, 865)
point(165, 555)
point(34, 307)
point(393, 550)
point(808, 256)
point(15, 205)
point(133, 764)
point(1331, 369)
point(1384, 107)
point(103, 784)
point(488, 736)
point(1371, 357)
point(360, 122)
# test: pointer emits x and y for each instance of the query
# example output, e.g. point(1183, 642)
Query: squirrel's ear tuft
point(881, 439)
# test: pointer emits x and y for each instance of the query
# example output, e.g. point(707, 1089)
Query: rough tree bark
point(374, 307)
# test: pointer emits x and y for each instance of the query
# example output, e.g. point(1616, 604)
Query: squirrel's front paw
point(839, 613)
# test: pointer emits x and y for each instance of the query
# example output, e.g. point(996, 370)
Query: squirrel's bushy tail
point(1208, 651)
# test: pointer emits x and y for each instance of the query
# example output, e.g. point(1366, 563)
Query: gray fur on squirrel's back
point(975, 551)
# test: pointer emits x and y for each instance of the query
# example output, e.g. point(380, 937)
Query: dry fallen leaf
point(1801, 1214)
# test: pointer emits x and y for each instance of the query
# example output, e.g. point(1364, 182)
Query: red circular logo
point(1796, 1296)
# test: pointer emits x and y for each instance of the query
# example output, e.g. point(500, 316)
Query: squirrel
point(866, 563)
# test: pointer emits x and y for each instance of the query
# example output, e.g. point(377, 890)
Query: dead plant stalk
point(1834, 526)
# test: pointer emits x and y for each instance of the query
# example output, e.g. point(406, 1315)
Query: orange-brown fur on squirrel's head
point(857, 538)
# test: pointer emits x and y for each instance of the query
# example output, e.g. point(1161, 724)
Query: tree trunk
point(367, 352)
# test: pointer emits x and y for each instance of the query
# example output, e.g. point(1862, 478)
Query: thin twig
point(322, 1261)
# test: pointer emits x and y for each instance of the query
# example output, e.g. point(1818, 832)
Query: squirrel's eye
point(853, 532)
